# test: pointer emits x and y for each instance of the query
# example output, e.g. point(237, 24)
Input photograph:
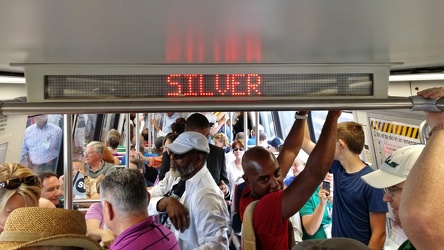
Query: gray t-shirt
point(105, 169)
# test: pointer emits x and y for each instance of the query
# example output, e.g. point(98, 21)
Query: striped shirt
point(146, 235)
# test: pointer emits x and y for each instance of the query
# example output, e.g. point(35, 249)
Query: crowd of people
point(181, 197)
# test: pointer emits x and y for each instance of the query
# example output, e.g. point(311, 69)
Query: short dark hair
point(178, 127)
point(197, 121)
point(139, 164)
point(45, 175)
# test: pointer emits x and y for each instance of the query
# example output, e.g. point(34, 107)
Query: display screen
point(207, 85)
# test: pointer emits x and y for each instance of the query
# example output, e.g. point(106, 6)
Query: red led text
point(214, 85)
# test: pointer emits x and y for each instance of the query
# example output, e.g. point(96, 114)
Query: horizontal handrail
point(11, 107)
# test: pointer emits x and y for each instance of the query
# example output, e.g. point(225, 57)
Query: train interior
point(88, 65)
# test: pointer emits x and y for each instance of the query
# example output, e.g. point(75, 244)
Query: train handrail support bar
point(422, 104)
point(17, 107)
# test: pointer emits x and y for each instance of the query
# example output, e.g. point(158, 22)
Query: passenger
point(263, 139)
point(51, 188)
point(46, 228)
point(238, 125)
point(181, 120)
point(203, 200)
point(240, 136)
point(421, 209)
point(41, 145)
point(316, 214)
point(358, 209)
point(95, 167)
point(19, 187)
point(216, 159)
point(163, 127)
point(109, 157)
point(113, 143)
point(95, 225)
point(221, 140)
point(297, 167)
point(264, 177)
point(275, 144)
point(138, 164)
point(234, 167)
point(125, 200)
point(77, 166)
point(178, 128)
point(392, 175)
point(252, 139)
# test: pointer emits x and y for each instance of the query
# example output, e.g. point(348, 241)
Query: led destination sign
point(206, 85)
point(214, 85)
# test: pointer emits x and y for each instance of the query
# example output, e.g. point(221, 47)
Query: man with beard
point(199, 214)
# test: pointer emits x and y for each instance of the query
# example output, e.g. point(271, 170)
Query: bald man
point(264, 173)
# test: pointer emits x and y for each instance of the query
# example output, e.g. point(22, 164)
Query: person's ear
point(246, 179)
point(342, 144)
point(108, 211)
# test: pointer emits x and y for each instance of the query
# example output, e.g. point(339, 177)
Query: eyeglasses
point(236, 149)
point(32, 180)
point(393, 191)
point(86, 153)
point(178, 156)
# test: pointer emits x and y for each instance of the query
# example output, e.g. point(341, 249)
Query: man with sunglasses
point(215, 160)
point(198, 213)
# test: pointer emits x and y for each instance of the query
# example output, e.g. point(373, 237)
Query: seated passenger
point(51, 187)
point(317, 212)
point(46, 228)
point(203, 201)
point(124, 199)
point(19, 187)
point(252, 139)
point(297, 167)
point(95, 167)
point(95, 225)
point(274, 145)
point(139, 166)
point(263, 174)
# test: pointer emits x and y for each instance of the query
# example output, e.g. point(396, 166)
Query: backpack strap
point(248, 235)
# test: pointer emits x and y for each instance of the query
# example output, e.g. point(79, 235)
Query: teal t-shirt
point(309, 208)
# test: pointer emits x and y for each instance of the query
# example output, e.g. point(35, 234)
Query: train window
point(318, 120)
point(42, 143)
point(3, 150)
point(266, 120)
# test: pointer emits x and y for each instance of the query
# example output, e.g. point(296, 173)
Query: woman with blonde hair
point(221, 140)
point(19, 187)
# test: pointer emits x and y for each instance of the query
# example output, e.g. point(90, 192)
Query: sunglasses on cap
point(32, 180)
point(236, 149)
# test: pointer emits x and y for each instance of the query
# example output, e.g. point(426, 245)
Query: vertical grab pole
point(67, 155)
point(128, 139)
point(424, 130)
point(256, 129)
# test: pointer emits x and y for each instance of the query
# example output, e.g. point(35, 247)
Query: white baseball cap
point(395, 169)
point(188, 141)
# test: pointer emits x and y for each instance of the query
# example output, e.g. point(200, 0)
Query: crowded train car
point(89, 91)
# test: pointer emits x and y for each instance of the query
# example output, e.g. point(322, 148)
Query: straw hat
point(38, 226)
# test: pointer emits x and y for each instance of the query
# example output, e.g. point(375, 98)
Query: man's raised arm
point(318, 164)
